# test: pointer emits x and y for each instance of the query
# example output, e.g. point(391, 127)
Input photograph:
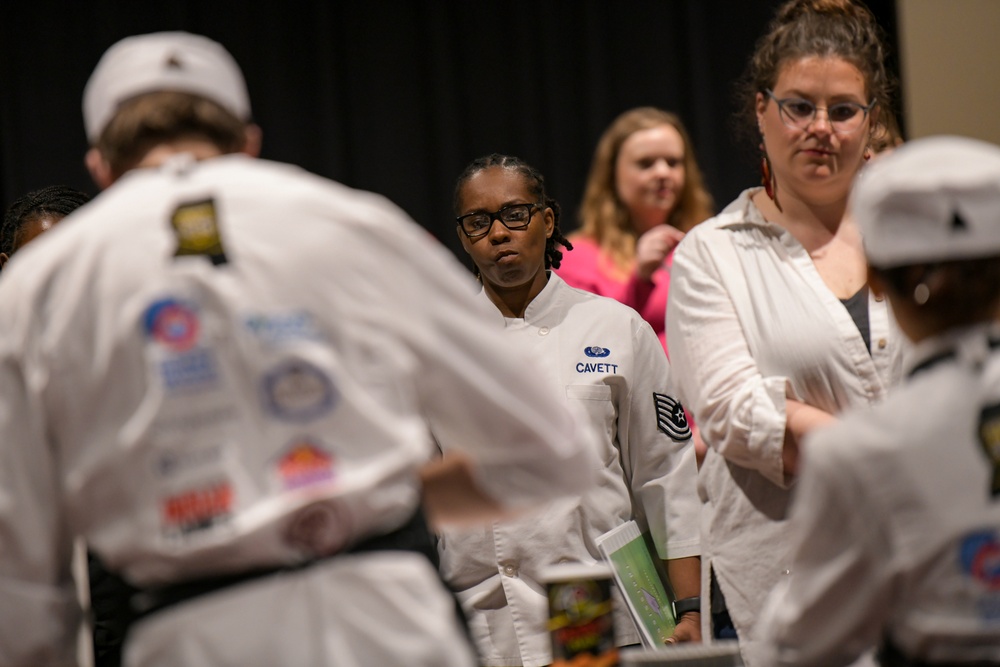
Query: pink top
point(585, 267)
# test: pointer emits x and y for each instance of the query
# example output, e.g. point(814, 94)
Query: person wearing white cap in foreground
point(218, 373)
point(896, 521)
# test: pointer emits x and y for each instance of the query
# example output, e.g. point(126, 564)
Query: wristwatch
point(686, 605)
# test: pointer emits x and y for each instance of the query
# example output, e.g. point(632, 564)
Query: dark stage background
point(398, 96)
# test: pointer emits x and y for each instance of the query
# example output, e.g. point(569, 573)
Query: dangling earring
point(921, 294)
point(766, 178)
point(868, 153)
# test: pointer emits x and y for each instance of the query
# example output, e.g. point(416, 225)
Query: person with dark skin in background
point(34, 214)
point(608, 363)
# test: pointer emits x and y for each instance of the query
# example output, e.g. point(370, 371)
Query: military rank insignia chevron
point(670, 418)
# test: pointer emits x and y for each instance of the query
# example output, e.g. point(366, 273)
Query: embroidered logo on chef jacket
point(173, 324)
point(175, 327)
point(172, 462)
point(276, 329)
point(320, 529)
point(596, 352)
point(298, 391)
point(670, 418)
point(304, 463)
point(979, 559)
point(197, 509)
point(989, 437)
point(196, 227)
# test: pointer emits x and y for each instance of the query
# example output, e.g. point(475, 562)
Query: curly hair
point(54, 200)
point(604, 217)
point(825, 28)
point(536, 185)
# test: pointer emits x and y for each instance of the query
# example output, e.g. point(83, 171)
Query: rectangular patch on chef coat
point(305, 462)
point(197, 508)
point(989, 438)
point(196, 226)
point(670, 417)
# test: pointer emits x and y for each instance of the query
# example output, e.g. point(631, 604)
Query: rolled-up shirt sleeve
point(740, 411)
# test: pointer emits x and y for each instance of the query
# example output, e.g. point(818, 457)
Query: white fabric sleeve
point(663, 470)
point(39, 613)
point(834, 604)
point(479, 392)
point(740, 412)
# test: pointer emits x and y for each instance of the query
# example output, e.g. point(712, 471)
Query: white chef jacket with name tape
point(610, 365)
point(896, 522)
point(751, 323)
point(190, 417)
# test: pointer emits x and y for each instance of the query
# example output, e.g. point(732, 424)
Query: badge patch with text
point(196, 227)
point(304, 463)
point(298, 391)
point(989, 437)
point(198, 509)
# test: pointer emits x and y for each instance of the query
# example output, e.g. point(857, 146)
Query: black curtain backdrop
point(398, 96)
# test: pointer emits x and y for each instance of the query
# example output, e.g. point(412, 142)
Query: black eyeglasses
point(844, 117)
point(515, 216)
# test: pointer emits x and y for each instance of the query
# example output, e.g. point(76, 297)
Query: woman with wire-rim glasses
point(772, 328)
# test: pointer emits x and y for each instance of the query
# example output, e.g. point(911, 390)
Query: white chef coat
point(751, 323)
point(895, 529)
point(190, 419)
point(610, 364)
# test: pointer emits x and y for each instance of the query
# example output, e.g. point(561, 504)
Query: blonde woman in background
point(644, 192)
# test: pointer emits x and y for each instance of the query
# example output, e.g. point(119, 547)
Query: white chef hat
point(931, 200)
point(162, 61)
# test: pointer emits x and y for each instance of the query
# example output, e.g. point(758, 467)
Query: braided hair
point(536, 185)
point(54, 200)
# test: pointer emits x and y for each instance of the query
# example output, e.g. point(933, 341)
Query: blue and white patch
point(596, 351)
point(282, 328)
point(670, 417)
point(191, 370)
point(298, 391)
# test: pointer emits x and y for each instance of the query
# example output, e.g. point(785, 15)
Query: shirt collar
point(971, 343)
point(544, 302)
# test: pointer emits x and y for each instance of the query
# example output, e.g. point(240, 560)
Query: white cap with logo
point(162, 61)
point(930, 200)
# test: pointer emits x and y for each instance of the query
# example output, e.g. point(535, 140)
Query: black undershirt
point(857, 306)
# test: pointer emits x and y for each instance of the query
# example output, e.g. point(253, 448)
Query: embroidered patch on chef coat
point(596, 351)
point(172, 323)
point(670, 418)
point(979, 555)
point(197, 508)
point(989, 437)
point(305, 462)
point(196, 227)
point(298, 391)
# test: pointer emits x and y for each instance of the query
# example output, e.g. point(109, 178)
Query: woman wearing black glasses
point(604, 359)
point(772, 328)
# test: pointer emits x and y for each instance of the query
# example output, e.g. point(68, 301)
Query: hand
point(653, 247)
point(688, 629)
